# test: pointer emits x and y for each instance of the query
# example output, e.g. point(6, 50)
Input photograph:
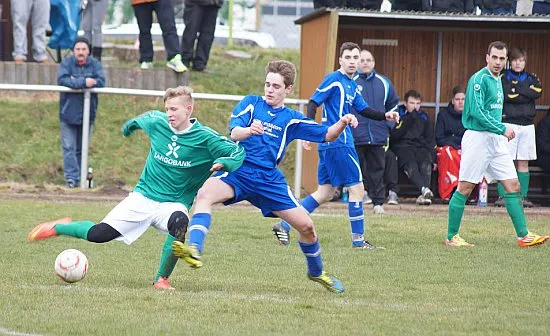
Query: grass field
point(251, 286)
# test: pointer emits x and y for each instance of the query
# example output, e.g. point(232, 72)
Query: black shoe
point(364, 245)
point(527, 203)
point(283, 236)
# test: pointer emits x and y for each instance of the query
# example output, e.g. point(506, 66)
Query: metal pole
point(258, 15)
point(298, 163)
point(85, 139)
point(230, 19)
point(438, 73)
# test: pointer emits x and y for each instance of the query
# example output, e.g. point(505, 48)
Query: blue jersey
point(339, 94)
point(281, 126)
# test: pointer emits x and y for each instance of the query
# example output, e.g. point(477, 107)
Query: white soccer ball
point(71, 265)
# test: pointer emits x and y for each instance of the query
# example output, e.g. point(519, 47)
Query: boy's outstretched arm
point(335, 130)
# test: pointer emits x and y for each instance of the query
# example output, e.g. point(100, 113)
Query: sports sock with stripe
point(198, 229)
point(312, 252)
point(357, 221)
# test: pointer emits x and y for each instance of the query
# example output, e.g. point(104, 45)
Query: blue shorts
point(265, 189)
point(339, 166)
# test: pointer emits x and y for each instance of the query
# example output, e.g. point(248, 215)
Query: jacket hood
point(452, 111)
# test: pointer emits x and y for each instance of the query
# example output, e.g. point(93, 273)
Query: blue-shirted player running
point(338, 161)
point(264, 127)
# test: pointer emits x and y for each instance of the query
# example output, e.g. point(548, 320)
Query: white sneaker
point(378, 210)
point(146, 65)
point(427, 193)
point(392, 198)
point(421, 200)
point(366, 199)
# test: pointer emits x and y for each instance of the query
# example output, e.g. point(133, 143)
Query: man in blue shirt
point(264, 127)
point(338, 162)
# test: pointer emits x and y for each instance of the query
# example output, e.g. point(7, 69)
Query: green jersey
point(179, 162)
point(483, 103)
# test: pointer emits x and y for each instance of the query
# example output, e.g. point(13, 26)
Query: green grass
point(251, 286)
point(29, 132)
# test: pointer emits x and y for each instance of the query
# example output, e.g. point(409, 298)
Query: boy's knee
point(177, 225)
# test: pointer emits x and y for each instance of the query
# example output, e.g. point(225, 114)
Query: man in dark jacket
point(521, 89)
point(457, 6)
point(371, 136)
point(80, 71)
point(410, 5)
point(448, 137)
point(543, 143)
point(496, 6)
point(412, 141)
point(199, 17)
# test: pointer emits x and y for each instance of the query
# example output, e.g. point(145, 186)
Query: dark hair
point(348, 46)
point(458, 89)
point(412, 93)
point(516, 53)
point(284, 68)
point(497, 45)
point(81, 39)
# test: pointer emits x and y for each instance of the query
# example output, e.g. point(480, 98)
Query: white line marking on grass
point(15, 333)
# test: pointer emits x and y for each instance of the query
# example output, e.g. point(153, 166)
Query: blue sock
point(198, 228)
point(309, 203)
point(356, 218)
point(312, 251)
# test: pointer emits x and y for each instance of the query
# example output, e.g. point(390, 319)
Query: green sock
point(167, 259)
point(500, 190)
point(74, 229)
point(523, 178)
point(515, 211)
point(456, 210)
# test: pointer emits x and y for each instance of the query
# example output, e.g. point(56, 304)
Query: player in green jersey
point(485, 151)
point(183, 155)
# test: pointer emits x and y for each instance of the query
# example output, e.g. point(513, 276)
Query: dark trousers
point(165, 15)
point(416, 163)
point(391, 173)
point(199, 20)
point(372, 163)
point(541, 7)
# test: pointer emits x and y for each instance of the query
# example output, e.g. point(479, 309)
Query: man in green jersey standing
point(485, 150)
point(183, 155)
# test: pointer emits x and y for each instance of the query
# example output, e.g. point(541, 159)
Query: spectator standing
point(199, 17)
point(391, 175)
point(79, 71)
point(412, 141)
point(38, 11)
point(364, 4)
point(164, 9)
point(93, 15)
point(457, 6)
point(498, 7)
point(521, 89)
point(448, 137)
point(370, 136)
point(411, 5)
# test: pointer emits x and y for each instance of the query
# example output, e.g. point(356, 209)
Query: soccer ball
point(71, 265)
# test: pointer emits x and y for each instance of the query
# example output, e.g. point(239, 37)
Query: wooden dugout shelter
point(428, 52)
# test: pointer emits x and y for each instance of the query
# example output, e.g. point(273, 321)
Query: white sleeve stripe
point(283, 140)
point(249, 108)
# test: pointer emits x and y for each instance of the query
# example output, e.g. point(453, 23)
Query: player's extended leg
point(100, 233)
point(515, 211)
point(309, 243)
point(177, 228)
point(212, 192)
point(322, 195)
point(456, 211)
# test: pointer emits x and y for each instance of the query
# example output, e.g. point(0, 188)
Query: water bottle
point(483, 191)
point(345, 195)
point(90, 178)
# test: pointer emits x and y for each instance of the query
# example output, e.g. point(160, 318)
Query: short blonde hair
point(181, 91)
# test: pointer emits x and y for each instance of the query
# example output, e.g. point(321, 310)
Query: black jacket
point(217, 3)
point(412, 5)
point(414, 130)
point(462, 6)
point(520, 92)
point(364, 4)
point(448, 128)
point(494, 4)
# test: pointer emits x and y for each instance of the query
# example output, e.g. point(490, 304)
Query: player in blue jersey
point(338, 161)
point(264, 127)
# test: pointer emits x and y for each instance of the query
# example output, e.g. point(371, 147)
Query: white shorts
point(133, 216)
point(524, 145)
point(485, 154)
